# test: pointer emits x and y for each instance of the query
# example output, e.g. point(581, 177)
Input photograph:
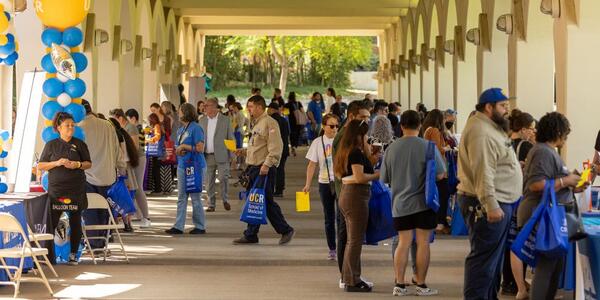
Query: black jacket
point(284, 129)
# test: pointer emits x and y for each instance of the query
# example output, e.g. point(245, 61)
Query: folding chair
point(10, 224)
point(36, 238)
point(96, 201)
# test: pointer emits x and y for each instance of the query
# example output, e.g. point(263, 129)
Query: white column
point(466, 77)
point(106, 94)
point(534, 91)
point(495, 62)
point(583, 72)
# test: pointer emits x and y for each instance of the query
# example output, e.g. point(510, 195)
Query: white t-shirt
point(317, 155)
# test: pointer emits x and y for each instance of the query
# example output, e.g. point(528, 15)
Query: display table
point(589, 258)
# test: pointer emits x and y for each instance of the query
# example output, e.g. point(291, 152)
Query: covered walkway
point(210, 267)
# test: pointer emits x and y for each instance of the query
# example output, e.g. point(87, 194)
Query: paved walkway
point(210, 267)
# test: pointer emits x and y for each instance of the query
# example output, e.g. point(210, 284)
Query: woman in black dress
point(65, 160)
point(295, 129)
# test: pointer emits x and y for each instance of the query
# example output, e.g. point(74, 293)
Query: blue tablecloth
point(589, 249)
point(17, 209)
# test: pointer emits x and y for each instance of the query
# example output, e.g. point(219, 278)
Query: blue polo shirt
point(317, 110)
point(191, 135)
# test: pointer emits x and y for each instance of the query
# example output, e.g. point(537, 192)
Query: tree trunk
point(283, 61)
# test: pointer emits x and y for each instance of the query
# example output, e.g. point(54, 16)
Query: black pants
point(274, 213)
point(157, 188)
point(443, 191)
point(295, 131)
point(74, 224)
point(329, 211)
point(280, 181)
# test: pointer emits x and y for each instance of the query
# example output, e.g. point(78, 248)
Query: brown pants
point(354, 204)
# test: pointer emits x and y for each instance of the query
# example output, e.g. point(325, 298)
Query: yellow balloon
point(3, 40)
point(50, 75)
point(75, 49)
point(77, 100)
point(61, 14)
point(3, 22)
point(48, 123)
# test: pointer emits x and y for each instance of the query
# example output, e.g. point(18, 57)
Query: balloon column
point(4, 138)
point(63, 61)
point(8, 44)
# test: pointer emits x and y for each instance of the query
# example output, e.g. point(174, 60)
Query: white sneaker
point(398, 291)
point(145, 223)
point(343, 285)
point(425, 291)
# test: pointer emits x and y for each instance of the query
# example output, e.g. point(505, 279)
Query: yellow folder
point(302, 202)
point(585, 175)
point(230, 145)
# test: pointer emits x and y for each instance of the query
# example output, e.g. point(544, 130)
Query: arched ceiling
point(290, 17)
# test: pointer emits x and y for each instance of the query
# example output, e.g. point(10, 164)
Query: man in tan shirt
point(263, 154)
point(490, 182)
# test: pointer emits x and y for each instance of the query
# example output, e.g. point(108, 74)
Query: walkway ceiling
point(291, 17)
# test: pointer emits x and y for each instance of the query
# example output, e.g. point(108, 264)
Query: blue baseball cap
point(492, 95)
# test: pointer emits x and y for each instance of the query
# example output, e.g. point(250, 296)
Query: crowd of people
point(502, 156)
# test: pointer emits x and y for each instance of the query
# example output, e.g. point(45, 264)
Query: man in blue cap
point(490, 181)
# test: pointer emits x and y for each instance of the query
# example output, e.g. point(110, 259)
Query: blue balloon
point(11, 59)
point(52, 35)
point(3, 154)
point(3, 169)
point(79, 133)
point(75, 88)
point(50, 109)
point(47, 64)
point(80, 60)
point(8, 48)
point(45, 181)
point(3, 188)
point(4, 135)
point(49, 134)
point(72, 37)
point(10, 37)
point(53, 87)
point(7, 15)
point(77, 111)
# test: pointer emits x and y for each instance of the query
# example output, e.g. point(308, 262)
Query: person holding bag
point(190, 165)
point(544, 163)
point(321, 153)
point(155, 150)
point(353, 166)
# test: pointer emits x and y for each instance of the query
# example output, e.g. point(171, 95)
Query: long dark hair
point(519, 120)
point(353, 138)
point(129, 145)
point(435, 119)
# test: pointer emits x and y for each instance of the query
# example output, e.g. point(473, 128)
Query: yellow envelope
point(585, 175)
point(302, 202)
point(230, 145)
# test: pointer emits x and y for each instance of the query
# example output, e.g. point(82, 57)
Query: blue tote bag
point(380, 225)
point(255, 208)
point(193, 176)
point(156, 149)
point(552, 238)
point(432, 197)
point(452, 172)
point(120, 199)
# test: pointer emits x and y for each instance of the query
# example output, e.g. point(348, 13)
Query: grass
point(303, 93)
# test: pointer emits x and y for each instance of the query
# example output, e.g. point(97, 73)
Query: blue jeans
point(329, 206)
point(239, 139)
point(182, 201)
point(483, 265)
point(274, 213)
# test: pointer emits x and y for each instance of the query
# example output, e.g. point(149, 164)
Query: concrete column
point(395, 93)
point(494, 66)
point(380, 81)
point(533, 86)
point(582, 75)
point(107, 92)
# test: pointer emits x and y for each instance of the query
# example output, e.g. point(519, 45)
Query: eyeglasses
point(333, 126)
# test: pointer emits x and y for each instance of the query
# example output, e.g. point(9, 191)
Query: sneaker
point(361, 287)
point(145, 223)
point(243, 241)
point(210, 209)
point(400, 291)
point(332, 255)
point(342, 285)
point(72, 260)
point(197, 231)
point(509, 289)
point(286, 237)
point(173, 231)
point(423, 290)
point(227, 206)
point(128, 227)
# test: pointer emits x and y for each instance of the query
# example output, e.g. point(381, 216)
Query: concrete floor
point(210, 267)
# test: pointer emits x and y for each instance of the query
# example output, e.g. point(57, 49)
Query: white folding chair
point(10, 224)
point(96, 201)
point(36, 238)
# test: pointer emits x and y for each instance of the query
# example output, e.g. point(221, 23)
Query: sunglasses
point(333, 126)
